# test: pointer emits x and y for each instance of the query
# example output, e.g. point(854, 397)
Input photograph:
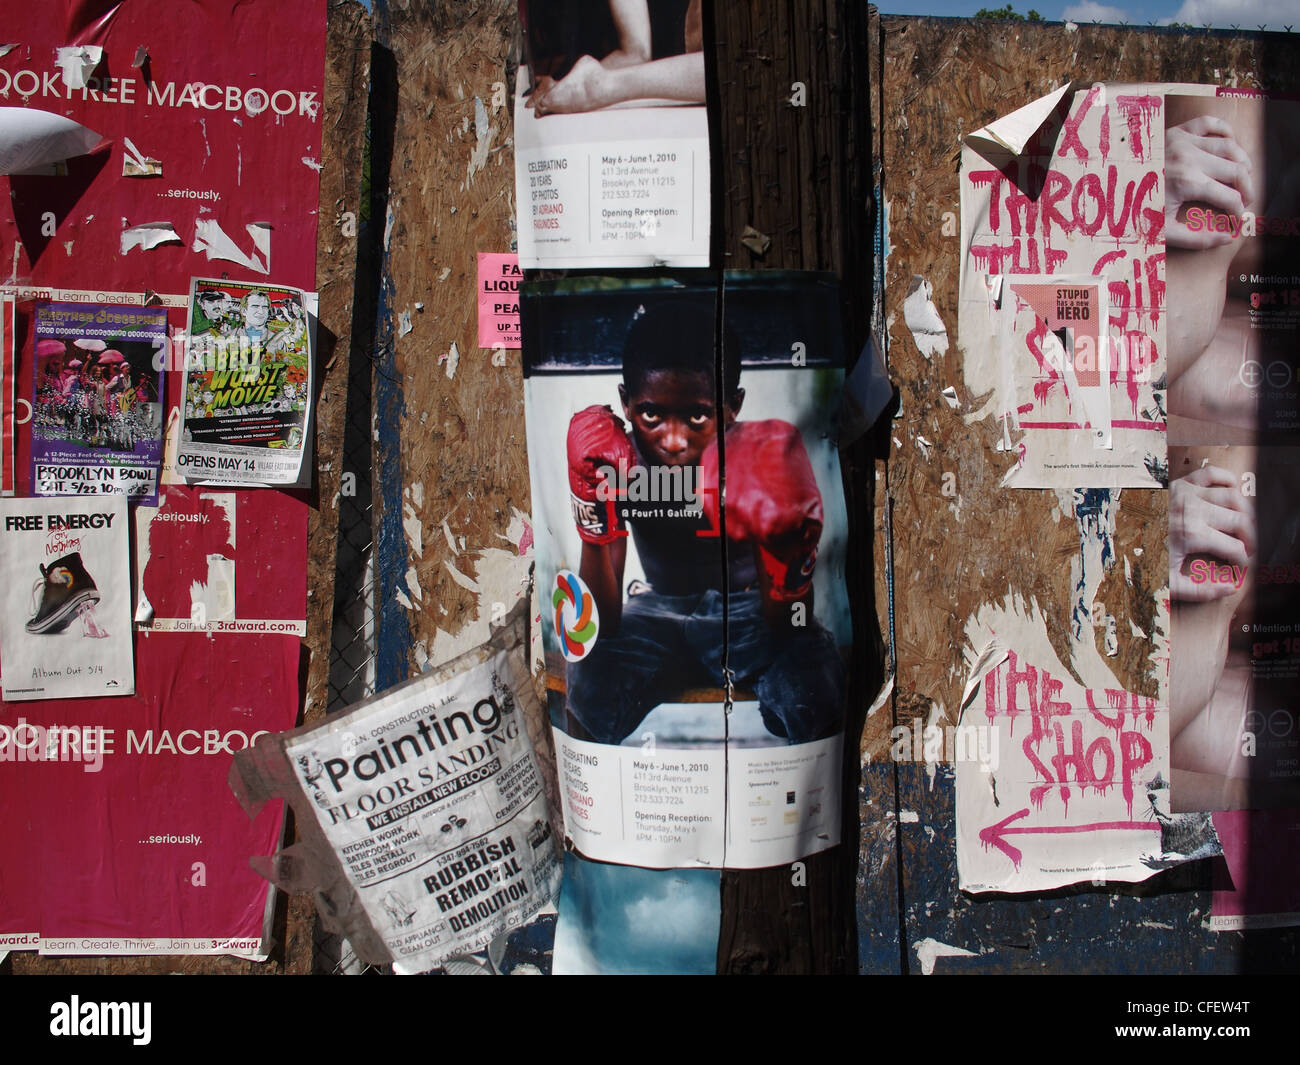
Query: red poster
point(120, 835)
point(209, 114)
point(191, 136)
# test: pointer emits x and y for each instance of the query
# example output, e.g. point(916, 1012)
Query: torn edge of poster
point(1074, 784)
point(425, 828)
point(1070, 188)
point(32, 140)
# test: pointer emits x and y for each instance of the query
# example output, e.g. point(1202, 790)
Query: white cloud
point(678, 917)
point(1091, 11)
point(1248, 14)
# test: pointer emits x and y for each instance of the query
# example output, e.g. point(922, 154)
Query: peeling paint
point(464, 581)
point(922, 318)
point(484, 131)
point(211, 239)
point(149, 235)
point(928, 950)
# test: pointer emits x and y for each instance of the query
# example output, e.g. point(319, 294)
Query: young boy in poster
point(669, 636)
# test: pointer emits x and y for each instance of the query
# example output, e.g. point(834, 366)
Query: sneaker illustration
point(66, 587)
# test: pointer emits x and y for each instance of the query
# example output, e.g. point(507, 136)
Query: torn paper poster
point(97, 399)
point(1261, 888)
point(202, 556)
point(31, 139)
point(422, 812)
point(1054, 360)
point(1079, 779)
point(1233, 323)
point(1079, 195)
point(65, 598)
point(136, 164)
point(618, 920)
point(498, 299)
point(77, 63)
point(1077, 788)
point(665, 760)
point(127, 799)
point(867, 392)
point(206, 126)
point(247, 389)
point(922, 318)
point(215, 243)
point(612, 158)
point(1234, 547)
point(148, 236)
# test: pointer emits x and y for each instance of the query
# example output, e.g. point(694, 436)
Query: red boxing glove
point(772, 501)
point(597, 439)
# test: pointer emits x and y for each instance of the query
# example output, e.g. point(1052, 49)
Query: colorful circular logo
point(576, 618)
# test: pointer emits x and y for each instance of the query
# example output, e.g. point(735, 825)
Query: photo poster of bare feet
point(612, 135)
point(65, 609)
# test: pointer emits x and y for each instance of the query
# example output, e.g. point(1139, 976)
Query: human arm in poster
point(623, 75)
point(598, 442)
point(773, 505)
point(1210, 522)
point(1209, 173)
point(1208, 517)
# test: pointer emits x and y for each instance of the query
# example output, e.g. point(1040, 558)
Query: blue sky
point(1222, 14)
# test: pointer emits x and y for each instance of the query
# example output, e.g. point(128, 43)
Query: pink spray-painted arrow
point(993, 835)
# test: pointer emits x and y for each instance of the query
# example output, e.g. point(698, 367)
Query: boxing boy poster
point(694, 643)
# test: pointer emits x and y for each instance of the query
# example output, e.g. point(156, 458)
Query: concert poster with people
point(97, 391)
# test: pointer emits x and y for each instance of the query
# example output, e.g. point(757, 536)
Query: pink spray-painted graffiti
point(1071, 749)
point(1070, 207)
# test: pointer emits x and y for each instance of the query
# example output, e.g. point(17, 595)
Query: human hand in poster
point(628, 72)
point(597, 441)
point(772, 502)
point(1208, 515)
point(1204, 164)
